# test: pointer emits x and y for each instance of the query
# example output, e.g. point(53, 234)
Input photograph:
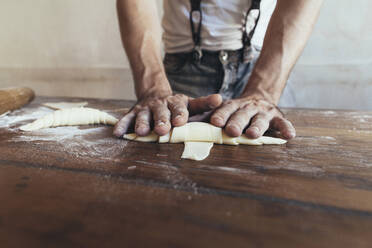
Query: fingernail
point(160, 123)
point(178, 116)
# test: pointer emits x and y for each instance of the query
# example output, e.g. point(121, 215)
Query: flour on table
point(96, 142)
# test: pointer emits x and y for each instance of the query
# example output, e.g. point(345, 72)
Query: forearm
point(288, 31)
point(141, 36)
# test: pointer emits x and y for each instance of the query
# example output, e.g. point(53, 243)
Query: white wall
point(335, 70)
point(73, 48)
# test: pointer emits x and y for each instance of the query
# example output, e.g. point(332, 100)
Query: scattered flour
point(19, 116)
point(82, 141)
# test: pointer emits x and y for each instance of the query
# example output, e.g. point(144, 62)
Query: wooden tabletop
point(81, 187)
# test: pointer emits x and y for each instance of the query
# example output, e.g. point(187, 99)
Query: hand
point(164, 112)
point(255, 114)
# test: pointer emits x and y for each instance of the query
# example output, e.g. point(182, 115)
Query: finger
point(259, 124)
point(223, 113)
point(203, 104)
point(238, 121)
point(205, 117)
point(179, 112)
point(122, 126)
point(161, 116)
point(284, 126)
point(143, 119)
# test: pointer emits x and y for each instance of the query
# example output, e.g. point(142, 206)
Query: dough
point(152, 137)
point(197, 133)
point(165, 138)
point(64, 105)
point(130, 136)
point(71, 117)
point(196, 150)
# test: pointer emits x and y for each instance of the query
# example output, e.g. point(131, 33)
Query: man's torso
point(221, 25)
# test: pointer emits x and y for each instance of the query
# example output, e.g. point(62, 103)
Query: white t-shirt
point(221, 25)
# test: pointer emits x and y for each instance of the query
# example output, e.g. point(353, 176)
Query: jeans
point(223, 72)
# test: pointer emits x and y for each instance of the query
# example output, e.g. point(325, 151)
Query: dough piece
point(197, 150)
point(152, 137)
point(165, 138)
point(263, 140)
point(64, 105)
point(130, 136)
point(71, 117)
point(229, 140)
point(197, 136)
point(197, 131)
point(204, 132)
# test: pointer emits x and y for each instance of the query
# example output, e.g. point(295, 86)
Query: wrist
point(156, 88)
point(257, 93)
point(262, 87)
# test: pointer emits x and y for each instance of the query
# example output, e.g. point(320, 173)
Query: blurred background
point(73, 48)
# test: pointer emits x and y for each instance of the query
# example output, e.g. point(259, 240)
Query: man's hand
point(255, 111)
point(164, 112)
point(253, 115)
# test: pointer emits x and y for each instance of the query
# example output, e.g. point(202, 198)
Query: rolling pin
point(15, 98)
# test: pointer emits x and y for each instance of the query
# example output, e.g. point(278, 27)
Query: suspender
point(250, 23)
point(196, 19)
point(251, 20)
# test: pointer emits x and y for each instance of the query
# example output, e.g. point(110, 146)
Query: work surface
point(81, 187)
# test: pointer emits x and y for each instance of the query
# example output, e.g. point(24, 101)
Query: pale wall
point(73, 48)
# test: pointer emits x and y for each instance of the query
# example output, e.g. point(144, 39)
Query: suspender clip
point(197, 54)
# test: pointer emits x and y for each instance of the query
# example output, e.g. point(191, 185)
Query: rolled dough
point(196, 133)
point(197, 150)
point(71, 117)
point(64, 105)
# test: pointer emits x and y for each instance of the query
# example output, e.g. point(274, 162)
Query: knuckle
point(236, 123)
point(157, 102)
point(141, 123)
point(220, 114)
point(263, 116)
point(229, 103)
point(179, 110)
point(137, 108)
point(178, 98)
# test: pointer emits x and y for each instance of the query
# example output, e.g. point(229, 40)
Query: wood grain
point(316, 191)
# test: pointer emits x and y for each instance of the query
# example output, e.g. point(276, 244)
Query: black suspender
point(251, 18)
point(195, 23)
point(253, 15)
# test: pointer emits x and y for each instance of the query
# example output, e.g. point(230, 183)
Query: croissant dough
point(197, 132)
point(71, 117)
point(64, 105)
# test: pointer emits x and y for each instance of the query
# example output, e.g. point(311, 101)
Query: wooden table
point(93, 190)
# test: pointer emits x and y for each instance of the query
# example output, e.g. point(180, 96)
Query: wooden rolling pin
point(15, 98)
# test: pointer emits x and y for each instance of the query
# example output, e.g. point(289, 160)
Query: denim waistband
point(222, 56)
point(206, 55)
